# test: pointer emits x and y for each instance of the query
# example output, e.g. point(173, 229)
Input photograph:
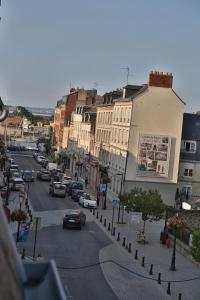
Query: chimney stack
point(160, 79)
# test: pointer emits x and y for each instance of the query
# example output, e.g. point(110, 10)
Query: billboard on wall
point(153, 155)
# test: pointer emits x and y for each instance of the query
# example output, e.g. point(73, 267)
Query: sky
point(46, 46)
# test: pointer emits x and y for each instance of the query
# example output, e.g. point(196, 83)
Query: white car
point(40, 158)
point(65, 179)
point(17, 184)
point(86, 201)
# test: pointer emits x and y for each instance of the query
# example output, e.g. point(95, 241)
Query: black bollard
point(129, 247)
point(136, 254)
point(97, 216)
point(179, 296)
point(93, 212)
point(28, 207)
point(90, 209)
point(159, 278)
point(118, 236)
point(26, 202)
point(101, 219)
point(104, 224)
point(169, 288)
point(143, 259)
point(124, 242)
point(23, 253)
point(151, 270)
point(113, 231)
point(108, 226)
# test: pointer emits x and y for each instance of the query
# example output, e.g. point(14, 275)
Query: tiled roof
point(191, 127)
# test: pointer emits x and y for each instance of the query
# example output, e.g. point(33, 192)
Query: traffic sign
point(115, 202)
point(102, 187)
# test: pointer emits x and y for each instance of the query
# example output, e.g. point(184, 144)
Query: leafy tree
point(149, 203)
point(196, 244)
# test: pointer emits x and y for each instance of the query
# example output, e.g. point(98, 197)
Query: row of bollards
point(129, 248)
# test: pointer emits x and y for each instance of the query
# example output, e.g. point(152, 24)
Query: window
point(186, 191)
point(188, 172)
point(189, 146)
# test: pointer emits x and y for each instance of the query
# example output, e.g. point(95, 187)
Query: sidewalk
point(154, 253)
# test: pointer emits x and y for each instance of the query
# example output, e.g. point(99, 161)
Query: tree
point(149, 203)
point(196, 244)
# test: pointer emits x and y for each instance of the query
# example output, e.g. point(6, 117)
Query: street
point(69, 248)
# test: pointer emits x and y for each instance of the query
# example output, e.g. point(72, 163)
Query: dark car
point(74, 218)
point(75, 185)
point(28, 176)
point(44, 175)
point(76, 194)
point(44, 163)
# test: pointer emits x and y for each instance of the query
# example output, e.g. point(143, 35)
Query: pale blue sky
point(46, 44)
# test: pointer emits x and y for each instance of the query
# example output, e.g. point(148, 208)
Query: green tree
point(149, 203)
point(196, 244)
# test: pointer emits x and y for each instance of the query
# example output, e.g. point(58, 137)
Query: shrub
point(196, 244)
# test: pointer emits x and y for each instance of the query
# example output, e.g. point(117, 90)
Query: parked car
point(55, 174)
point(44, 175)
point(75, 185)
point(76, 194)
point(17, 184)
point(14, 167)
point(40, 159)
point(74, 218)
point(57, 189)
point(28, 175)
point(44, 163)
point(87, 201)
point(64, 178)
point(51, 166)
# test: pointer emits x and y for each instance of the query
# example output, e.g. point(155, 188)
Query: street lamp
point(175, 222)
point(119, 207)
point(21, 200)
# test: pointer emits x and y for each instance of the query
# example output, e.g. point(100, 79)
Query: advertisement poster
point(153, 155)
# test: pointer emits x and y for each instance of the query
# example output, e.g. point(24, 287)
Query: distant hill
point(37, 111)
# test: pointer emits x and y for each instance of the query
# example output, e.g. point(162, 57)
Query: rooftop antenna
point(127, 74)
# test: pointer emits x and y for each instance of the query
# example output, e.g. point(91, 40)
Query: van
point(51, 166)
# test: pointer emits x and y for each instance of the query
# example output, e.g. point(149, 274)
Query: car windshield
point(16, 175)
point(86, 196)
point(27, 173)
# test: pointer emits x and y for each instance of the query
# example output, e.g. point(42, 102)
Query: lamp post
point(21, 199)
point(119, 207)
point(175, 222)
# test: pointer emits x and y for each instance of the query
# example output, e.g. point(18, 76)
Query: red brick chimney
point(160, 79)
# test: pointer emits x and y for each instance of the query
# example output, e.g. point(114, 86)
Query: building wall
point(65, 137)
point(158, 111)
point(119, 145)
point(103, 133)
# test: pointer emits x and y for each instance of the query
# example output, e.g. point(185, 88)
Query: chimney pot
point(160, 79)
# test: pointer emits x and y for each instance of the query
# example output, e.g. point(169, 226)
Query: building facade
point(189, 167)
point(155, 138)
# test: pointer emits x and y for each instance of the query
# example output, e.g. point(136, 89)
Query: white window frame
point(191, 143)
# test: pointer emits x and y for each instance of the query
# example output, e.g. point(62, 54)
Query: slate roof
point(191, 127)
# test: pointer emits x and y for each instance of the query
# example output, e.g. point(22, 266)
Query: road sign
point(36, 223)
point(102, 187)
point(115, 202)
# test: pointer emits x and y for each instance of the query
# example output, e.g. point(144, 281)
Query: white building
point(119, 145)
point(155, 138)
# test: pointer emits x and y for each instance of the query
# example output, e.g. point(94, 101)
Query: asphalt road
point(39, 190)
point(70, 248)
